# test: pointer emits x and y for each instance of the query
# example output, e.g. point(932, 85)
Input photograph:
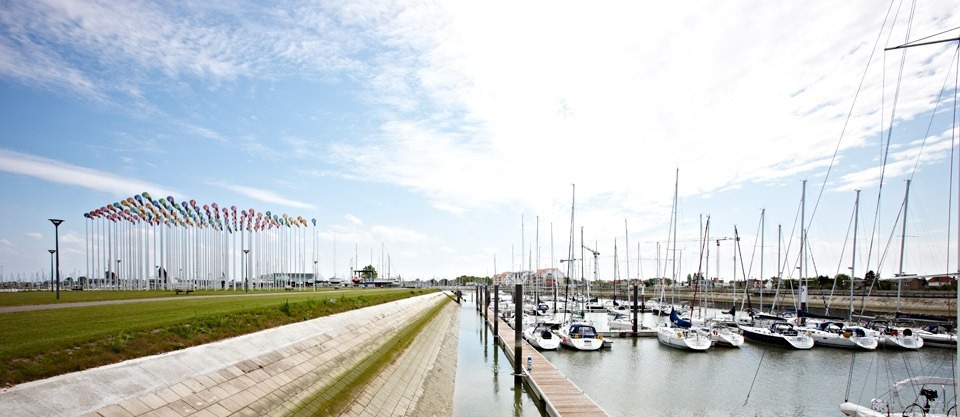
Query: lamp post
point(118, 274)
point(51, 268)
point(56, 238)
point(316, 272)
point(246, 283)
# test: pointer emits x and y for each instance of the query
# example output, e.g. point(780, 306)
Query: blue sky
point(433, 129)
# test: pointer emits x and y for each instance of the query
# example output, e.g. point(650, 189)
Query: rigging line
point(756, 241)
point(935, 34)
point(882, 258)
point(853, 360)
point(883, 166)
point(846, 121)
point(953, 141)
point(926, 134)
point(754, 378)
point(914, 43)
point(843, 251)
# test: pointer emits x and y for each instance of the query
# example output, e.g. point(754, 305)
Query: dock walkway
point(559, 395)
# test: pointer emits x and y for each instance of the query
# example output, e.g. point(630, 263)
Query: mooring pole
point(486, 300)
point(517, 339)
point(496, 312)
point(635, 310)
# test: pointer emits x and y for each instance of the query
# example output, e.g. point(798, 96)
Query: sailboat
point(836, 333)
point(892, 335)
point(777, 330)
point(929, 396)
point(677, 332)
point(541, 336)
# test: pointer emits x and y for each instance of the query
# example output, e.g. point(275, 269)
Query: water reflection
point(643, 377)
point(478, 391)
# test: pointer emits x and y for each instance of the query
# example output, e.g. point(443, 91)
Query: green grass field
point(8, 299)
point(43, 343)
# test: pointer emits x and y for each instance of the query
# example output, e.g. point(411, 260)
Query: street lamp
point(51, 268)
point(56, 238)
point(246, 283)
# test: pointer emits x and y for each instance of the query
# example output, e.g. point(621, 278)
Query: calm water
point(641, 377)
point(484, 375)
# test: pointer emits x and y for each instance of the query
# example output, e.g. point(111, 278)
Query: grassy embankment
point(9, 299)
point(43, 343)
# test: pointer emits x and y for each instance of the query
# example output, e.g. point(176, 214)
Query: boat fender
point(714, 332)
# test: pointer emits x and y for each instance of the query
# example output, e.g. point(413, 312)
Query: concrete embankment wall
point(265, 373)
point(943, 304)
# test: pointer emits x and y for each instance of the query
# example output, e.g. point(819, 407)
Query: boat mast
point(853, 262)
point(569, 259)
point(803, 246)
point(626, 255)
point(673, 259)
point(903, 239)
point(763, 278)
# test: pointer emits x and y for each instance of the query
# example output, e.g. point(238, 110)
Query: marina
point(639, 376)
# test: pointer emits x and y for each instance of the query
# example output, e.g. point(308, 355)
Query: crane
point(734, 256)
point(595, 256)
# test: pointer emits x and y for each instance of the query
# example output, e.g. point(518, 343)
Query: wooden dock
point(558, 395)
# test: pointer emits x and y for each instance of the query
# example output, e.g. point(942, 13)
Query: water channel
point(642, 377)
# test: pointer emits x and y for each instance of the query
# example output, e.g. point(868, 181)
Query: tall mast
point(903, 239)
point(853, 262)
point(803, 244)
point(676, 187)
point(626, 247)
point(763, 222)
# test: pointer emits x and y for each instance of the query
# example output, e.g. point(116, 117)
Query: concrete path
point(266, 373)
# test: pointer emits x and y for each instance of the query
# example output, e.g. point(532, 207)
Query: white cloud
point(60, 172)
point(34, 235)
point(397, 234)
point(266, 196)
point(615, 96)
point(353, 219)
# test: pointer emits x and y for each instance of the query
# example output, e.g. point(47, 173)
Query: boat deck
point(558, 395)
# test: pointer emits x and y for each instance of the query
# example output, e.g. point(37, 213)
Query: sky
point(449, 135)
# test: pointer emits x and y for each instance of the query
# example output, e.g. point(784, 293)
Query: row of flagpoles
point(142, 243)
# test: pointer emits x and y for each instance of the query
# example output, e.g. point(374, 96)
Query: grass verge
point(23, 298)
point(337, 396)
point(44, 343)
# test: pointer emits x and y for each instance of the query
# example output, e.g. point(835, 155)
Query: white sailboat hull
point(843, 341)
point(683, 339)
point(726, 338)
point(901, 341)
point(571, 339)
point(540, 340)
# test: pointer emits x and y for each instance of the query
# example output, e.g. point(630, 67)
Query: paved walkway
point(272, 372)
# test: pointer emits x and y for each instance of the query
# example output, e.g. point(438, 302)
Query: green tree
point(843, 280)
point(869, 279)
point(368, 272)
point(823, 280)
